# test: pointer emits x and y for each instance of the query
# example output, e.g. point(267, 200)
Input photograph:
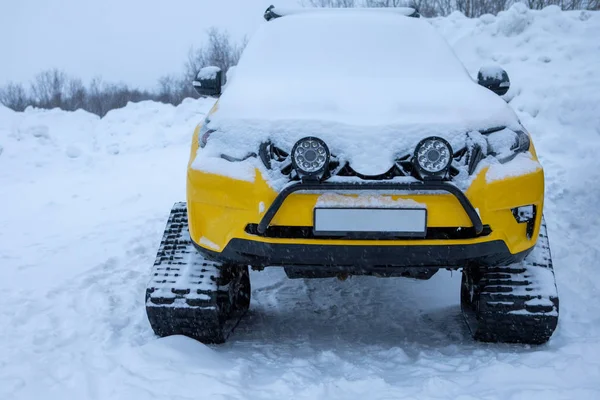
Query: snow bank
point(41, 139)
point(550, 57)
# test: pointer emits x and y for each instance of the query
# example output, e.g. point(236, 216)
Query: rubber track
point(517, 303)
point(185, 295)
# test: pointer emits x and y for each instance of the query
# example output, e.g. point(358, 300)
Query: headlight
point(432, 158)
point(310, 157)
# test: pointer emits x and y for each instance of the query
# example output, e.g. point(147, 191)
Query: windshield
point(349, 46)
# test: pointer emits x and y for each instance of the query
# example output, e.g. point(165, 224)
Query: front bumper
point(249, 222)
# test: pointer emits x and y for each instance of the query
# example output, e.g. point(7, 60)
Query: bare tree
point(330, 3)
point(94, 102)
point(76, 95)
point(470, 8)
point(565, 4)
point(219, 52)
point(48, 88)
point(386, 3)
point(442, 7)
point(173, 89)
point(427, 8)
point(15, 97)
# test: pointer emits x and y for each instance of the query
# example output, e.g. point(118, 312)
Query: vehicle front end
point(475, 205)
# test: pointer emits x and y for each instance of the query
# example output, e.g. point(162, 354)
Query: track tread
point(513, 304)
point(190, 295)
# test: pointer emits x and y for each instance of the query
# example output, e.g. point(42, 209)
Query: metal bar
point(360, 186)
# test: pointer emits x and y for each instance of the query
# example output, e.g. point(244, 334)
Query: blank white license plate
point(391, 221)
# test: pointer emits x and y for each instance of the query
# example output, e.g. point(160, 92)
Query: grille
point(464, 159)
point(306, 232)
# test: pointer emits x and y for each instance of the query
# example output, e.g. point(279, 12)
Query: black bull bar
point(366, 186)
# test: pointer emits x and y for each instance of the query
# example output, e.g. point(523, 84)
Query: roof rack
point(276, 12)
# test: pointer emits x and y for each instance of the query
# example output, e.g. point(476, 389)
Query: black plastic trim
point(260, 254)
point(362, 186)
point(530, 222)
point(306, 232)
point(475, 156)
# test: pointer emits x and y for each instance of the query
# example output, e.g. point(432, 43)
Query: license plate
point(370, 221)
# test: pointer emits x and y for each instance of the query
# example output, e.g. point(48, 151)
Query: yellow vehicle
point(331, 162)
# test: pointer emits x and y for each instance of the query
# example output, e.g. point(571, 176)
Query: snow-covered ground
point(83, 204)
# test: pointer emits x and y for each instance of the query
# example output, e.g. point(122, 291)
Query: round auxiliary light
point(310, 157)
point(433, 156)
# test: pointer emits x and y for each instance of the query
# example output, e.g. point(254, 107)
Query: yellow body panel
point(219, 208)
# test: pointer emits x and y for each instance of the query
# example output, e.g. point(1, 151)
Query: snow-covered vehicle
point(354, 142)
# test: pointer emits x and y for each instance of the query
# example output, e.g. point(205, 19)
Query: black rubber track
point(189, 295)
point(513, 304)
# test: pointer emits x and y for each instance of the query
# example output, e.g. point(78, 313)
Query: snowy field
point(84, 202)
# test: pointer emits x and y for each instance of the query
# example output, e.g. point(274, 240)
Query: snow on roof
point(275, 12)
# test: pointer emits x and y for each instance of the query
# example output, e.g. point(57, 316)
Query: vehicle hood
point(370, 132)
point(370, 85)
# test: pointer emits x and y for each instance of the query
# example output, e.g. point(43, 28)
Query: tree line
point(54, 88)
point(470, 8)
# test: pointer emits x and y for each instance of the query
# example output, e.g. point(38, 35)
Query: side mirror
point(208, 82)
point(495, 79)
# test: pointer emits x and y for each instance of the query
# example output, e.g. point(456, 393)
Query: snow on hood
point(369, 84)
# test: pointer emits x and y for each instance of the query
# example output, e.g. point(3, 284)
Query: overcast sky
point(133, 41)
